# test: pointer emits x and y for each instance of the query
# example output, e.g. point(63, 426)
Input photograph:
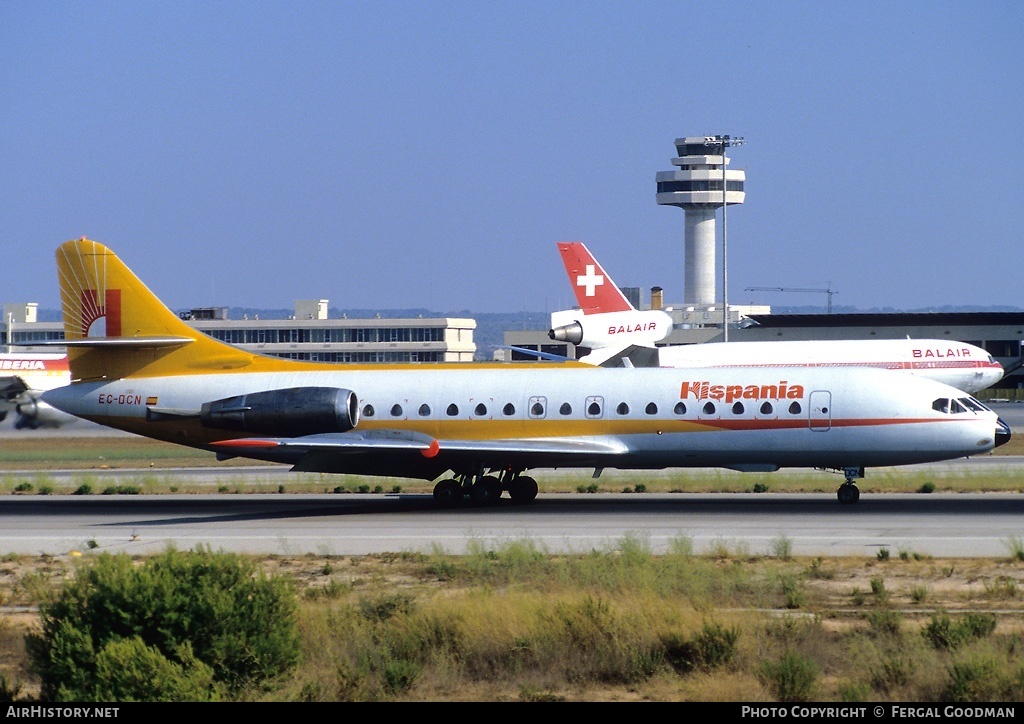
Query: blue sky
point(430, 154)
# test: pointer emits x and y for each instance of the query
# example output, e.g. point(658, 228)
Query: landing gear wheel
point(523, 489)
point(447, 492)
point(486, 491)
point(848, 493)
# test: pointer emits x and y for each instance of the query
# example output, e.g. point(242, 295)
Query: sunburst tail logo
point(101, 319)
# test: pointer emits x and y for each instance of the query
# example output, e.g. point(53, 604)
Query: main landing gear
point(481, 489)
point(848, 492)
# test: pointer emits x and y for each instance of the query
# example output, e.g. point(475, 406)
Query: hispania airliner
point(23, 379)
point(616, 333)
point(477, 428)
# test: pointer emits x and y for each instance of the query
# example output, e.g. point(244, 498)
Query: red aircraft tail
point(595, 291)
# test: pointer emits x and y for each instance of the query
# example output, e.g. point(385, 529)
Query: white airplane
point(608, 325)
point(23, 379)
point(479, 427)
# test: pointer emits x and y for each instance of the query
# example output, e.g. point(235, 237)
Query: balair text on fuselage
point(942, 353)
point(705, 390)
point(630, 328)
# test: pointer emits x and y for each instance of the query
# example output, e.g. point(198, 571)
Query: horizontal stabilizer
point(111, 342)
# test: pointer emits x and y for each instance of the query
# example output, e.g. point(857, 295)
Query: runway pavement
point(986, 525)
point(957, 525)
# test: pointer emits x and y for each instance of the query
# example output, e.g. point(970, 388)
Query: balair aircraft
point(616, 333)
point(478, 428)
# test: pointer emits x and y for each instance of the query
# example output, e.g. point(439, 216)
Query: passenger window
point(622, 409)
point(795, 409)
point(594, 406)
point(941, 405)
point(480, 410)
point(651, 409)
point(538, 407)
point(709, 408)
point(508, 410)
point(452, 410)
point(565, 409)
point(766, 408)
point(680, 408)
point(737, 408)
point(424, 410)
point(396, 410)
point(368, 411)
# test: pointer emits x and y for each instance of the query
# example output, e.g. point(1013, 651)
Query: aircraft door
point(820, 410)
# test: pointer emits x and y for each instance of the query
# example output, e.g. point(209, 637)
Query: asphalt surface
point(958, 525)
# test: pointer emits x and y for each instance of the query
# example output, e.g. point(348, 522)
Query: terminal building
point(307, 335)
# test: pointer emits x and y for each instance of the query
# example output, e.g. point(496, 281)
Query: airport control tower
point(696, 187)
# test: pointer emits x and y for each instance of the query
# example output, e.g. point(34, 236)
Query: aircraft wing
point(401, 440)
point(405, 450)
point(538, 354)
point(632, 356)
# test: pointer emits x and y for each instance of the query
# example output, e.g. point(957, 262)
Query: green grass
point(516, 623)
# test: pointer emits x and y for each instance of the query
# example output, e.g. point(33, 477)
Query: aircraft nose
point(1003, 433)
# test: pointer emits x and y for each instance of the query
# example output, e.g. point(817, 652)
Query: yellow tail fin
point(116, 327)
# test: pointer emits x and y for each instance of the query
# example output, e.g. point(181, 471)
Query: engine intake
point(290, 412)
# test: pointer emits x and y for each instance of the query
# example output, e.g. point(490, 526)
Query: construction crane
point(827, 290)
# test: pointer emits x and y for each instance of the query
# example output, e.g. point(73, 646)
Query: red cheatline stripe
point(246, 443)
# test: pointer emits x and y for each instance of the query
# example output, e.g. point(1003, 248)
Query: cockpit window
point(972, 404)
point(959, 405)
